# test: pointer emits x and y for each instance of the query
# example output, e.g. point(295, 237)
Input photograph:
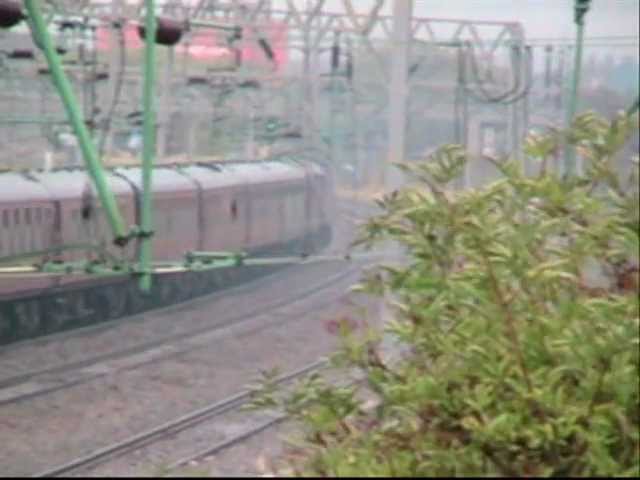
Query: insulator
point(237, 34)
point(292, 134)
point(350, 67)
point(69, 24)
point(90, 123)
point(249, 84)
point(134, 118)
point(580, 10)
point(21, 54)
point(548, 50)
point(197, 80)
point(267, 48)
point(168, 32)
point(10, 13)
point(335, 57)
point(101, 76)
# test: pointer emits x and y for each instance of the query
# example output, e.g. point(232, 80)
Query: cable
point(513, 94)
point(118, 88)
point(489, 98)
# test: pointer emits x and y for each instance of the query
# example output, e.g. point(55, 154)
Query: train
point(261, 208)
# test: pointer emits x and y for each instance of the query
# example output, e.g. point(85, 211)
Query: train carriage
point(318, 205)
point(175, 222)
point(223, 215)
point(277, 201)
point(82, 219)
point(27, 224)
point(261, 208)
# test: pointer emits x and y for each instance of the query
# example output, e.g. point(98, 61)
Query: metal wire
point(512, 95)
point(122, 65)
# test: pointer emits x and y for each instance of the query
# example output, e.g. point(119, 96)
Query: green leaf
point(500, 358)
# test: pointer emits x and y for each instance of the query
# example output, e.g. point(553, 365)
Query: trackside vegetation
point(515, 324)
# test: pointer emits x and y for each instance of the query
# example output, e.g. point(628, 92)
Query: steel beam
point(398, 91)
point(581, 8)
point(94, 166)
point(148, 155)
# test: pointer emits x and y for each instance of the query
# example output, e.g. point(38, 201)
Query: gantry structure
point(358, 85)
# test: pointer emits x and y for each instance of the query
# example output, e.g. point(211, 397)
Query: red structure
point(210, 45)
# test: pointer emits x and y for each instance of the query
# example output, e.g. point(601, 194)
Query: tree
point(517, 323)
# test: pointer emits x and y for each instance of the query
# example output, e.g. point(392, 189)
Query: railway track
point(349, 212)
point(184, 422)
point(38, 382)
point(308, 291)
point(10, 385)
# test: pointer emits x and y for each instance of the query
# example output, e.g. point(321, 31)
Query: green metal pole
point(333, 147)
point(332, 129)
point(581, 8)
point(72, 108)
point(148, 154)
point(634, 108)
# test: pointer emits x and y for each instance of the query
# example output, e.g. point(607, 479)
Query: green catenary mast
point(148, 153)
point(43, 40)
point(581, 9)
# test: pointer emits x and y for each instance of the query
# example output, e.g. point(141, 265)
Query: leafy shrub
point(517, 319)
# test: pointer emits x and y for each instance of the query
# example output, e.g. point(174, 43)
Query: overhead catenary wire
point(122, 65)
point(514, 93)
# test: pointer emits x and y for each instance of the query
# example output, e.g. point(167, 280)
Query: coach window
point(35, 236)
point(17, 243)
point(6, 235)
point(234, 210)
point(28, 238)
point(5, 227)
point(169, 217)
point(47, 216)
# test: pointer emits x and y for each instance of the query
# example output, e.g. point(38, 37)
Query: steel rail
point(149, 346)
point(172, 427)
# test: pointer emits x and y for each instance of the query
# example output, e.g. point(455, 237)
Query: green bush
point(517, 319)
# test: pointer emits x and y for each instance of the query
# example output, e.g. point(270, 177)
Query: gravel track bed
point(245, 457)
point(206, 324)
point(62, 425)
point(104, 339)
point(58, 427)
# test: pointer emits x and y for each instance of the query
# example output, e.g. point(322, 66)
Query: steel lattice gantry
point(312, 30)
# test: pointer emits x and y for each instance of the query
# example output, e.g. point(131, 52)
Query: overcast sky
point(540, 18)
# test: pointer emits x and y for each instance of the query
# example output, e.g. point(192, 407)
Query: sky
point(540, 18)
